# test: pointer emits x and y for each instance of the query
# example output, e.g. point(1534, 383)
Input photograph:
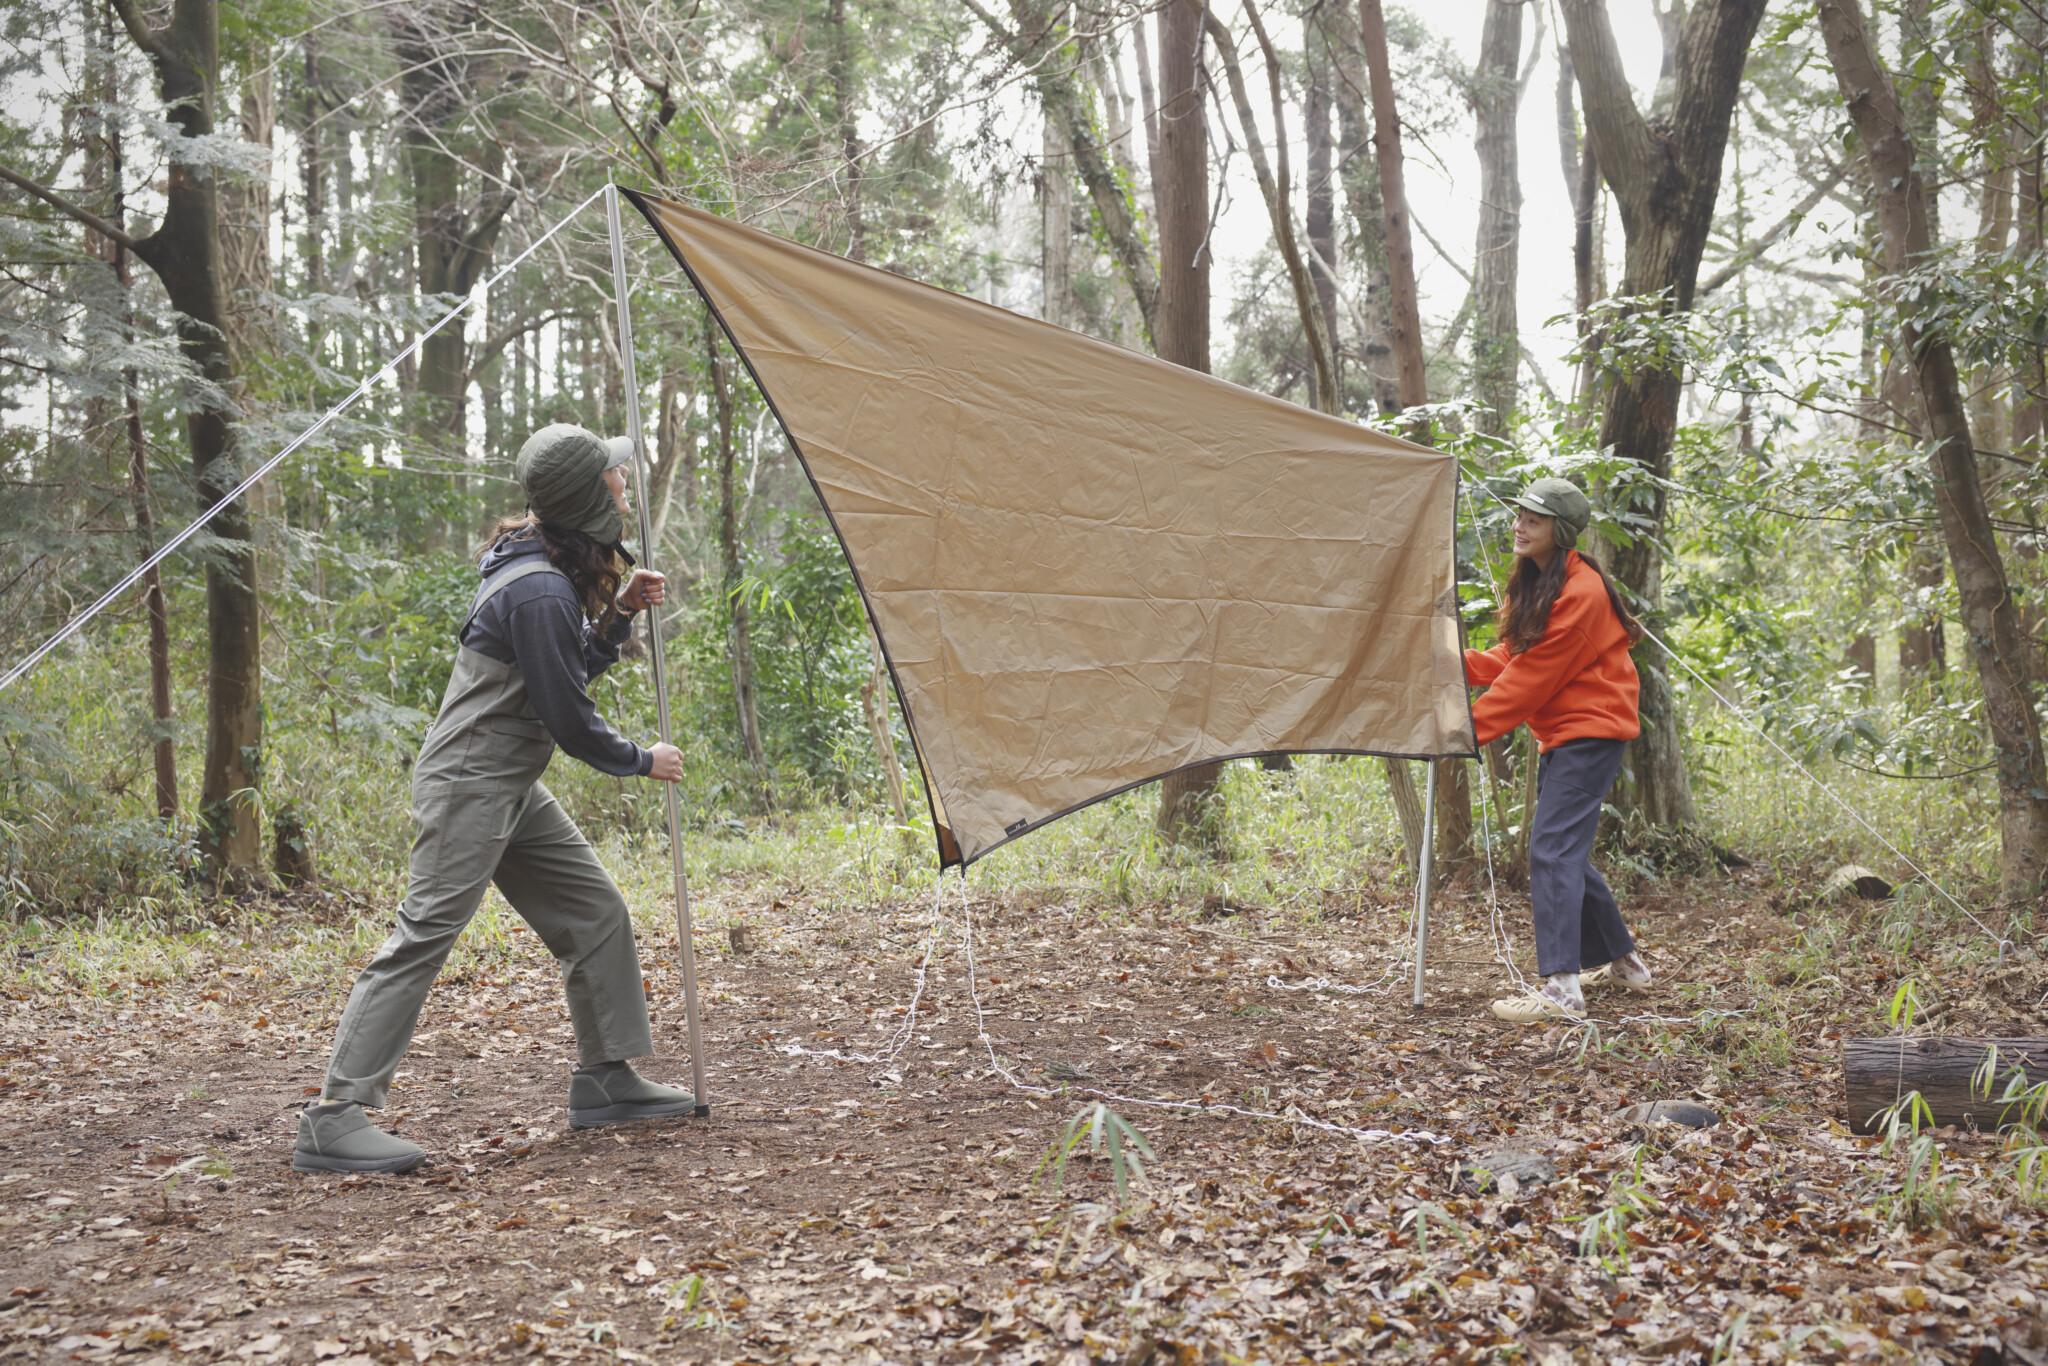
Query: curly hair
point(593, 568)
point(1532, 592)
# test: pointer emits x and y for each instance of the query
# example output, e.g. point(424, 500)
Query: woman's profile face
point(1535, 535)
point(615, 480)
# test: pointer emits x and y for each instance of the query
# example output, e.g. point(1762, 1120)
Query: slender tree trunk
point(454, 233)
point(185, 253)
point(163, 737)
point(1407, 338)
point(1496, 341)
point(846, 92)
point(1320, 222)
point(1056, 221)
point(1181, 333)
point(1045, 41)
point(730, 581)
point(1665, 180)
point(670, 415)
point(1454, 794)
point(1987, 606)
point(1275, 188)
point(1148, 104)
point(1360, 179)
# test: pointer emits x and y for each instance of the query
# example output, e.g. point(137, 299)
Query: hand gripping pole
point(621, 288)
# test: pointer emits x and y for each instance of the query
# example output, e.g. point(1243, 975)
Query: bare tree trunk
point(163, 743)
point(1359, 177)
point(671, 414)
point(1056, 220)
point(1044, 41)
point(1454, 795)
point(1407, 338)
point(1320, 222)
point(185, 253)
point(1181, 334)
point(874, 703)
point(1148, 110)
point(1496, 341)
point(1275, 188)
point(845, 93)
point(454, 232)
point(1989, 618)
point(730, 580)
point(1665, 180)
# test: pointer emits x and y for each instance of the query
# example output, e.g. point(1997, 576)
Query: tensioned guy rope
point(249, 481)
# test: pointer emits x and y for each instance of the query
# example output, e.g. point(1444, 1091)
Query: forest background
point(1768, 281)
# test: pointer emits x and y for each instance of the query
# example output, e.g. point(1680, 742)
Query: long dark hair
point(1532, 592)
point(593, 568)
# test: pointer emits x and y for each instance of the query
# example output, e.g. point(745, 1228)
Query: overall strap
point(532, 565)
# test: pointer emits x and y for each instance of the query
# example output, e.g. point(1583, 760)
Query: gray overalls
point(481, 816)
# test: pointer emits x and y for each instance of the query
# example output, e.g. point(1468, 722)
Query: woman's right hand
point(667, 765)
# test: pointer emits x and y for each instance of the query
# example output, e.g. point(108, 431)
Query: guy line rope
point(249, 481)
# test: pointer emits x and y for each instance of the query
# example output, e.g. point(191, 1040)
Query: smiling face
point(1535, 536)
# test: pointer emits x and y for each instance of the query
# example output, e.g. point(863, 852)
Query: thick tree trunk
point(1496, 341)
point(1181, 333)
point(1989, 617)
point(1665, 180)
point(185, 253)
point(730, 581)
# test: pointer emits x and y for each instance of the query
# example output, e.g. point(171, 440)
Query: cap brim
point(617, 451)
point(1521, 500)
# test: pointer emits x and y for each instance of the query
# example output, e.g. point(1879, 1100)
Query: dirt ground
point(845, 1211)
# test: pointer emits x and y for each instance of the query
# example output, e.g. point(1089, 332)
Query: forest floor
point(848, 1211)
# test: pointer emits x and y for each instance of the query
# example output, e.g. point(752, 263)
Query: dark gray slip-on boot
point(336, 1136)
point(613, 1093)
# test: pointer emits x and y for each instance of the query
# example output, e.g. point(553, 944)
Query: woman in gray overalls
point(549, 616)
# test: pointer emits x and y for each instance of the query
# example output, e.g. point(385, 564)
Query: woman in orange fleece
point(1562, 665)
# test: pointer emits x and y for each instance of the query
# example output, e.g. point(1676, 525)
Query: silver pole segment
point(1425, 867)
point(621, 289)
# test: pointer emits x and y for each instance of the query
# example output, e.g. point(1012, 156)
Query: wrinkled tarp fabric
point(1089, 567)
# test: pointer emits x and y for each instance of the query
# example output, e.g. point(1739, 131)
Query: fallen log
point(1877, 1072)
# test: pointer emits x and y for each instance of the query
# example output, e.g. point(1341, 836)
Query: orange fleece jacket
point(1576, 683)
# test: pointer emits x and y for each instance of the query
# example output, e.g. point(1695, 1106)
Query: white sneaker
point(1630, 973)
point(1537, 1007)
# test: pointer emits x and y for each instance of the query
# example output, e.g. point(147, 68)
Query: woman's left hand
point(645, 589)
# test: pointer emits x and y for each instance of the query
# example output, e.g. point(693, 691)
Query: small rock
point(1674, 1111)
point(1853, 879)
point(1499, 1168)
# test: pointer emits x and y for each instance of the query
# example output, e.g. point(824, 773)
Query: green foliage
point(1101, 1131)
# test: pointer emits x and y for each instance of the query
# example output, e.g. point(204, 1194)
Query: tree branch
point(1622, 141)
point(145, 37)
point(1749, 254)
point(65, 206)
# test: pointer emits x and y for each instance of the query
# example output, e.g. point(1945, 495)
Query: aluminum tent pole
point(1425, 867)
point(622, 289)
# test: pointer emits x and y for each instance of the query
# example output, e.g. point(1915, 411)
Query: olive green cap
point(1560, 499)
point(561, 470)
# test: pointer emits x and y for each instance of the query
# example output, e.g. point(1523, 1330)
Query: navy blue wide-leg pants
point(1578, 926)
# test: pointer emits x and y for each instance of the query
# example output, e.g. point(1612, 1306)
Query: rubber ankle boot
point(613, 1093)
point(336, 1136)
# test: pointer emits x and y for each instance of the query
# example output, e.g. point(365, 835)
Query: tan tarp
point(1089, 567)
